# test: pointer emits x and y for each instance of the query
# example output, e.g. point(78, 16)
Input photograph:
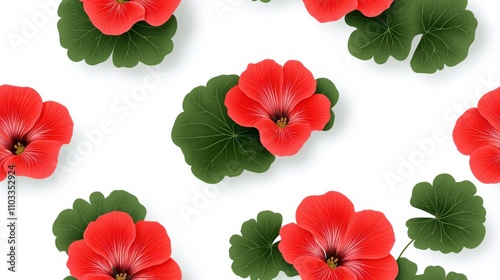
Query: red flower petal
point(330, 10)
point(54, 124)
point(157, 12)
point(96, 277)
point(111, 17)
point(485, 164)
point(372, 8)
point(285, 141)
point(20, 107)
point(472, 132)
point(4, 154)
point(84, 261)
point(242, 109)
point(369, 236)
point(314, 110)
point(263, 82)
point(38, 161)
point(111, 236)
point(489, 108)
point(376, 269)
point(297, 242)
point(298, 84)
point(168, 270)
point(151, 247)
point(327, 217)
point(310, 268)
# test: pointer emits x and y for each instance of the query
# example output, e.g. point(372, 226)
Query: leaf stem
point(405, 249)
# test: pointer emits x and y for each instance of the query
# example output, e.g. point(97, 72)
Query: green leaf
point(255, 253)
point(71, 223)
point(408, 271)
point(458, 215)
point(213, 144)
point(70, 278)
point(263, 1)
point(326, 87)
point(448, 30)
point(142, 43)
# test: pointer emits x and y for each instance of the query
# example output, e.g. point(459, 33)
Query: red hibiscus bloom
point(477, 134)
point(115, 17)
point(331, 241)
point(31, 132)
point(331, 10)
point(114, 248)
point(279, 102)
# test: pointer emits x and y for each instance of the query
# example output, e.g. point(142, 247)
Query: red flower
point(115, 17)
point(477, 133)
point(331, 10)
point(31, 132)
point(279, 102)
point(114, 248)
point(331, 241)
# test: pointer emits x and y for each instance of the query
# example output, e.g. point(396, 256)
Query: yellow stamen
point(121, 276)
point(122, 1)
point(19, 148)
point(333, 262)
point(281, 122)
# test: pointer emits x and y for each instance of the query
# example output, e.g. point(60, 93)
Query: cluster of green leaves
point(447, 30)
point(456, 222)
point(255, 252)
point(408, 271)
point(142, 43)
point(213, 144)
point(71, 223)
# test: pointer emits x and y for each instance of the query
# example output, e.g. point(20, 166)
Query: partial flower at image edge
point(115, 17)
point(32, 132)
point(113, 247)
point(477, 134)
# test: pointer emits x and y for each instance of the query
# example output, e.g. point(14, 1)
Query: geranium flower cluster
point(279, 101)
point(114, 248)
point(332, 241)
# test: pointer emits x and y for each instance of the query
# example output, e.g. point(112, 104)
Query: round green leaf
point(142, 43)
point(408, 271)
point(458, 215)
point(326, 87)
point(213, 144)
point(448, 31)
point(255, 252)
point(71, 223)
point(70, 278)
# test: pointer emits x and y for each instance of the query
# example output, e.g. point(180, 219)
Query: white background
point(383, 113)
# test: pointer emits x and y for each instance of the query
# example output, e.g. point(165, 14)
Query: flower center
point(122, 1)
point(281, 122)
point(121, 276)
point(332, 262)
point(19, 148)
